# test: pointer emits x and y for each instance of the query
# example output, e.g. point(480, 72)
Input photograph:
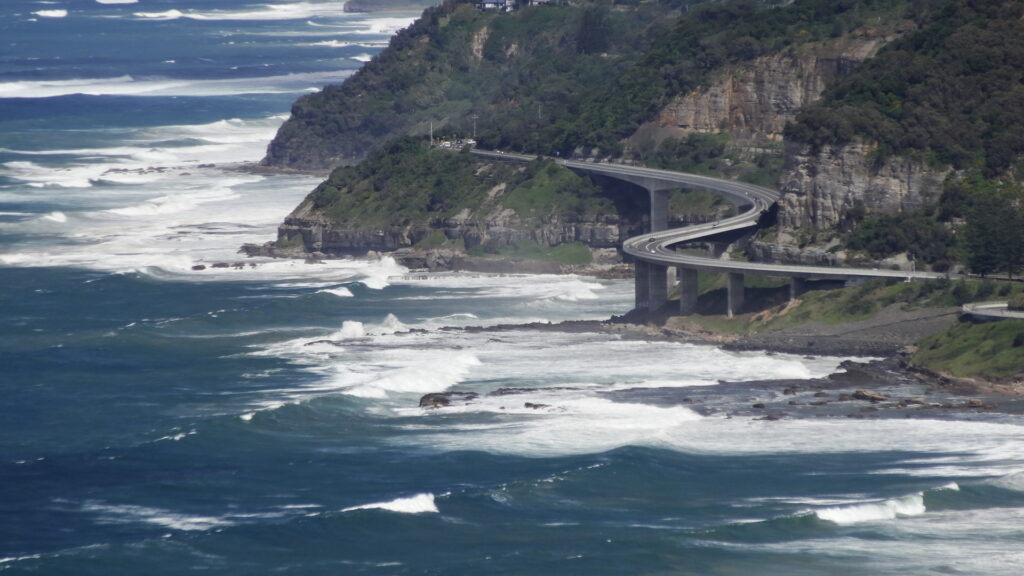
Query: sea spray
point(418, 504)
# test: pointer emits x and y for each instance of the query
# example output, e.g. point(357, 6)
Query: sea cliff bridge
point(655, 256)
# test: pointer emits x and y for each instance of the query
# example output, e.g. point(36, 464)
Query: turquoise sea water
point(245, 420)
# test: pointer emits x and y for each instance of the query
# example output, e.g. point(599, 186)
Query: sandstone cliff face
point(818, 189)
point(499, 229)
point(754, 101)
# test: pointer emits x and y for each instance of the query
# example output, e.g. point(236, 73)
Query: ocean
point(258, 416)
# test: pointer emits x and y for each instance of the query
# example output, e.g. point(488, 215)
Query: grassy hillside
point(988, 350)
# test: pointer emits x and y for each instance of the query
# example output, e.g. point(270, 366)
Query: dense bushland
point(951, 93)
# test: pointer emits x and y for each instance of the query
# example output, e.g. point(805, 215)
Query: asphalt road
point(656, 247)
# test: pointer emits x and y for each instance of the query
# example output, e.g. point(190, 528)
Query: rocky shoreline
point(881, 383)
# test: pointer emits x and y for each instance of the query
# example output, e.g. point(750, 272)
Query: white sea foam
point(340, 292)
point(539, 297)
point(362, 57)
point(155, 86)
point(117, 1)
point(438, 372)
point(383, 26)
point(292, 11)
point(350, 329)
point(10, 559)
point(911, 505)
point(178, 436)
point(130, 514)
point(58, 217)
point(1013, 482)
point(60, 13)
point(939, 542)
point(418, 504)
point(345, 44)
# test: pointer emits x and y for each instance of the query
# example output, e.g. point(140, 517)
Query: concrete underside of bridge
point(653, 281)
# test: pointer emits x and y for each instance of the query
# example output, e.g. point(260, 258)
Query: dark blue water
point(171, 407)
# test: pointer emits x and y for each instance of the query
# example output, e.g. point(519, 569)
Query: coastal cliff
point(819, 189)
point(753, 101)
point(832, 104)
point(431, 206)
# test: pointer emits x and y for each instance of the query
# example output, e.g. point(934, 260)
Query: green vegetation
point(555, 78)
point(1016, 303)
point(951, 93)
point(847, 304)
point(546, 189)
point(992, 240)
point(923, 237)
point(706, 38)
point(512, 76)
point(977, 221)
point(699, 202)
point(990, 350)
point(695, 153)
point(437, 239)
point(408, 183)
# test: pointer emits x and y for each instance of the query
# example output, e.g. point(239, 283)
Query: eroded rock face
point(308, 231)
point(753, 101)
point(819, 189)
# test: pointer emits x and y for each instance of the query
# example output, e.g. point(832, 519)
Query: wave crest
point(418, 504)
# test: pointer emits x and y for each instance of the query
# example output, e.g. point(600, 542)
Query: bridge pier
point(650, 286)
point(735, 294)
point(659, 209)
point(657, 286)
point(797, 286)
point(641, 286)
point(687, 291)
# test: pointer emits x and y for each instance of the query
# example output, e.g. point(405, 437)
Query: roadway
point(751, 200)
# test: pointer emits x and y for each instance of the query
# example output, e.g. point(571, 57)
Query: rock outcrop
point(818, 189)
point(753, 101)
point(493, 231)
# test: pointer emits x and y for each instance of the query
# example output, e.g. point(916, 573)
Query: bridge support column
point(797, 286)
point(651, 286)
point(641, 284)
point(687, 291)
point(735, 294)
point(657, 286)
point(659, 210)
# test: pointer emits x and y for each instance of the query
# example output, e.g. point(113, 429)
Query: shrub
point(1017, 302)
point(962, 293)
point(985, 289)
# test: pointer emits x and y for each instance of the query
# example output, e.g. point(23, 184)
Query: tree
point(993, 238)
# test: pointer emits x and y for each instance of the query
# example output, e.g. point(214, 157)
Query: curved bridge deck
point(654, 253)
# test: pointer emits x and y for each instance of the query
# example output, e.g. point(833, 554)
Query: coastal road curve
point(752, 200)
